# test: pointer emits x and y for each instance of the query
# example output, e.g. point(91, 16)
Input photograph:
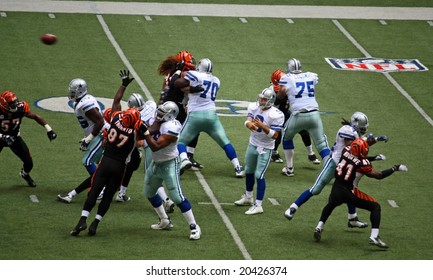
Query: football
point(48, 39)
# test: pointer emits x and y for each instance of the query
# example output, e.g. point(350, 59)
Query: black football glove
point(83, 144)
point(126, 80)
point(51, 135)
point(8, 139)
point(180, 66)
point(196, 89)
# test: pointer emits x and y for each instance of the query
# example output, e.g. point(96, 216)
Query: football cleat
point(169, 206)
point(195, 164)
point(64, 198)
point(317, 234)
point(240, 172)
point(245, 200)
point(185, 165)
point(378, 242)
point(276, 158)
point(195, 232)
point(122, 197)
point(28, 179)
point(290, 213)
point(164, 224)
point(79, 227)
point(313, 159)
point(255, 209)
point(93, 227)
point(356, 223)
point(288, 171)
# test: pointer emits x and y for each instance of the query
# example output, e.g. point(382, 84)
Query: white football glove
point(380, 157)
point(402, 167)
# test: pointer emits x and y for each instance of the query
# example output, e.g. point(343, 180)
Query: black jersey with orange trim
point(345, 172)
point(120, 140)
point(10, 122)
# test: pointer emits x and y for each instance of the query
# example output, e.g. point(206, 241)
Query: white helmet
point(269, 95)
point(205, 65)
point(167, 111)
point(77, 89)
point(136, 101)
point(294, 66)
point(359, 122)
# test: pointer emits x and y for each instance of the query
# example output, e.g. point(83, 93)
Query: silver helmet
point(77, 89)
point(205, 65)
point(136, 101)
point(359, 122)
point(294, 66)
point(269, 95)
point(167, 111)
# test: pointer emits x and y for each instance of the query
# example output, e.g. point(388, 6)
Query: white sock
point(161, 212)
point(294, 206)
point(310, 150)
point(374, 232)
point(85, 213)
point(249, 194)
point(98, 217)
point(183, 156)
point(351, 216)
point(162, 193)
point(122, 189)
point(321, 225)
point(189, 216)
point(259, 202)
point(72, 193)
point(289, 157)
point(235, 162)
point(190, 150)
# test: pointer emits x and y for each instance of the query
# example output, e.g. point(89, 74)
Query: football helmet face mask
point(266, 98)
point(9, 101)
point(276, 76)
point(205, 65)
point(188, 60)
point(359, 148)
point(294, 66)
point(359, 122)
point(167, 111)
point(136, 101)
point(130, 117)
point(77, 89)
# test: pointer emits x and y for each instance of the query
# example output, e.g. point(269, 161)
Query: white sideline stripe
point(289, 20)
point(383, 22)
point(51, 15)
point(223, 215)
point(34, 198)
point(195, 19)
point(393, 203)
point(273, 201)
point(148, 18)
point(123, 57)
point(243, 20)
point(3, 14)
point(221, 203)
point(387, 75)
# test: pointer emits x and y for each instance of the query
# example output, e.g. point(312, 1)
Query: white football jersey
point(345, 132)
point(172, 127)
point(204, 100)
point(148, 113)
point(80, 108)
point(301, 91)
point(272, 118)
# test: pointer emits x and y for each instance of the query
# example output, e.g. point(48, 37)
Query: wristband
point(271, 133)
point(48, 128)
point(246, 122)
point(146, 133)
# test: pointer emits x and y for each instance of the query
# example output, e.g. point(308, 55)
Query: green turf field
point(244, 56)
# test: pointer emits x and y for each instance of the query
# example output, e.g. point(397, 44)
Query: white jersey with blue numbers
point(85, 104)
point(345, 132)
point(204, 100)
point(301, 91)
point(148, 113)
point(272, 118)
point(172, 127)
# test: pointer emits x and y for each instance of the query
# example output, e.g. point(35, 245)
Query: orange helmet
point(276, 76)
point(188, 60)
point(107, 115)
point(8, 101)
point(359, 148)
point(130, 117)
